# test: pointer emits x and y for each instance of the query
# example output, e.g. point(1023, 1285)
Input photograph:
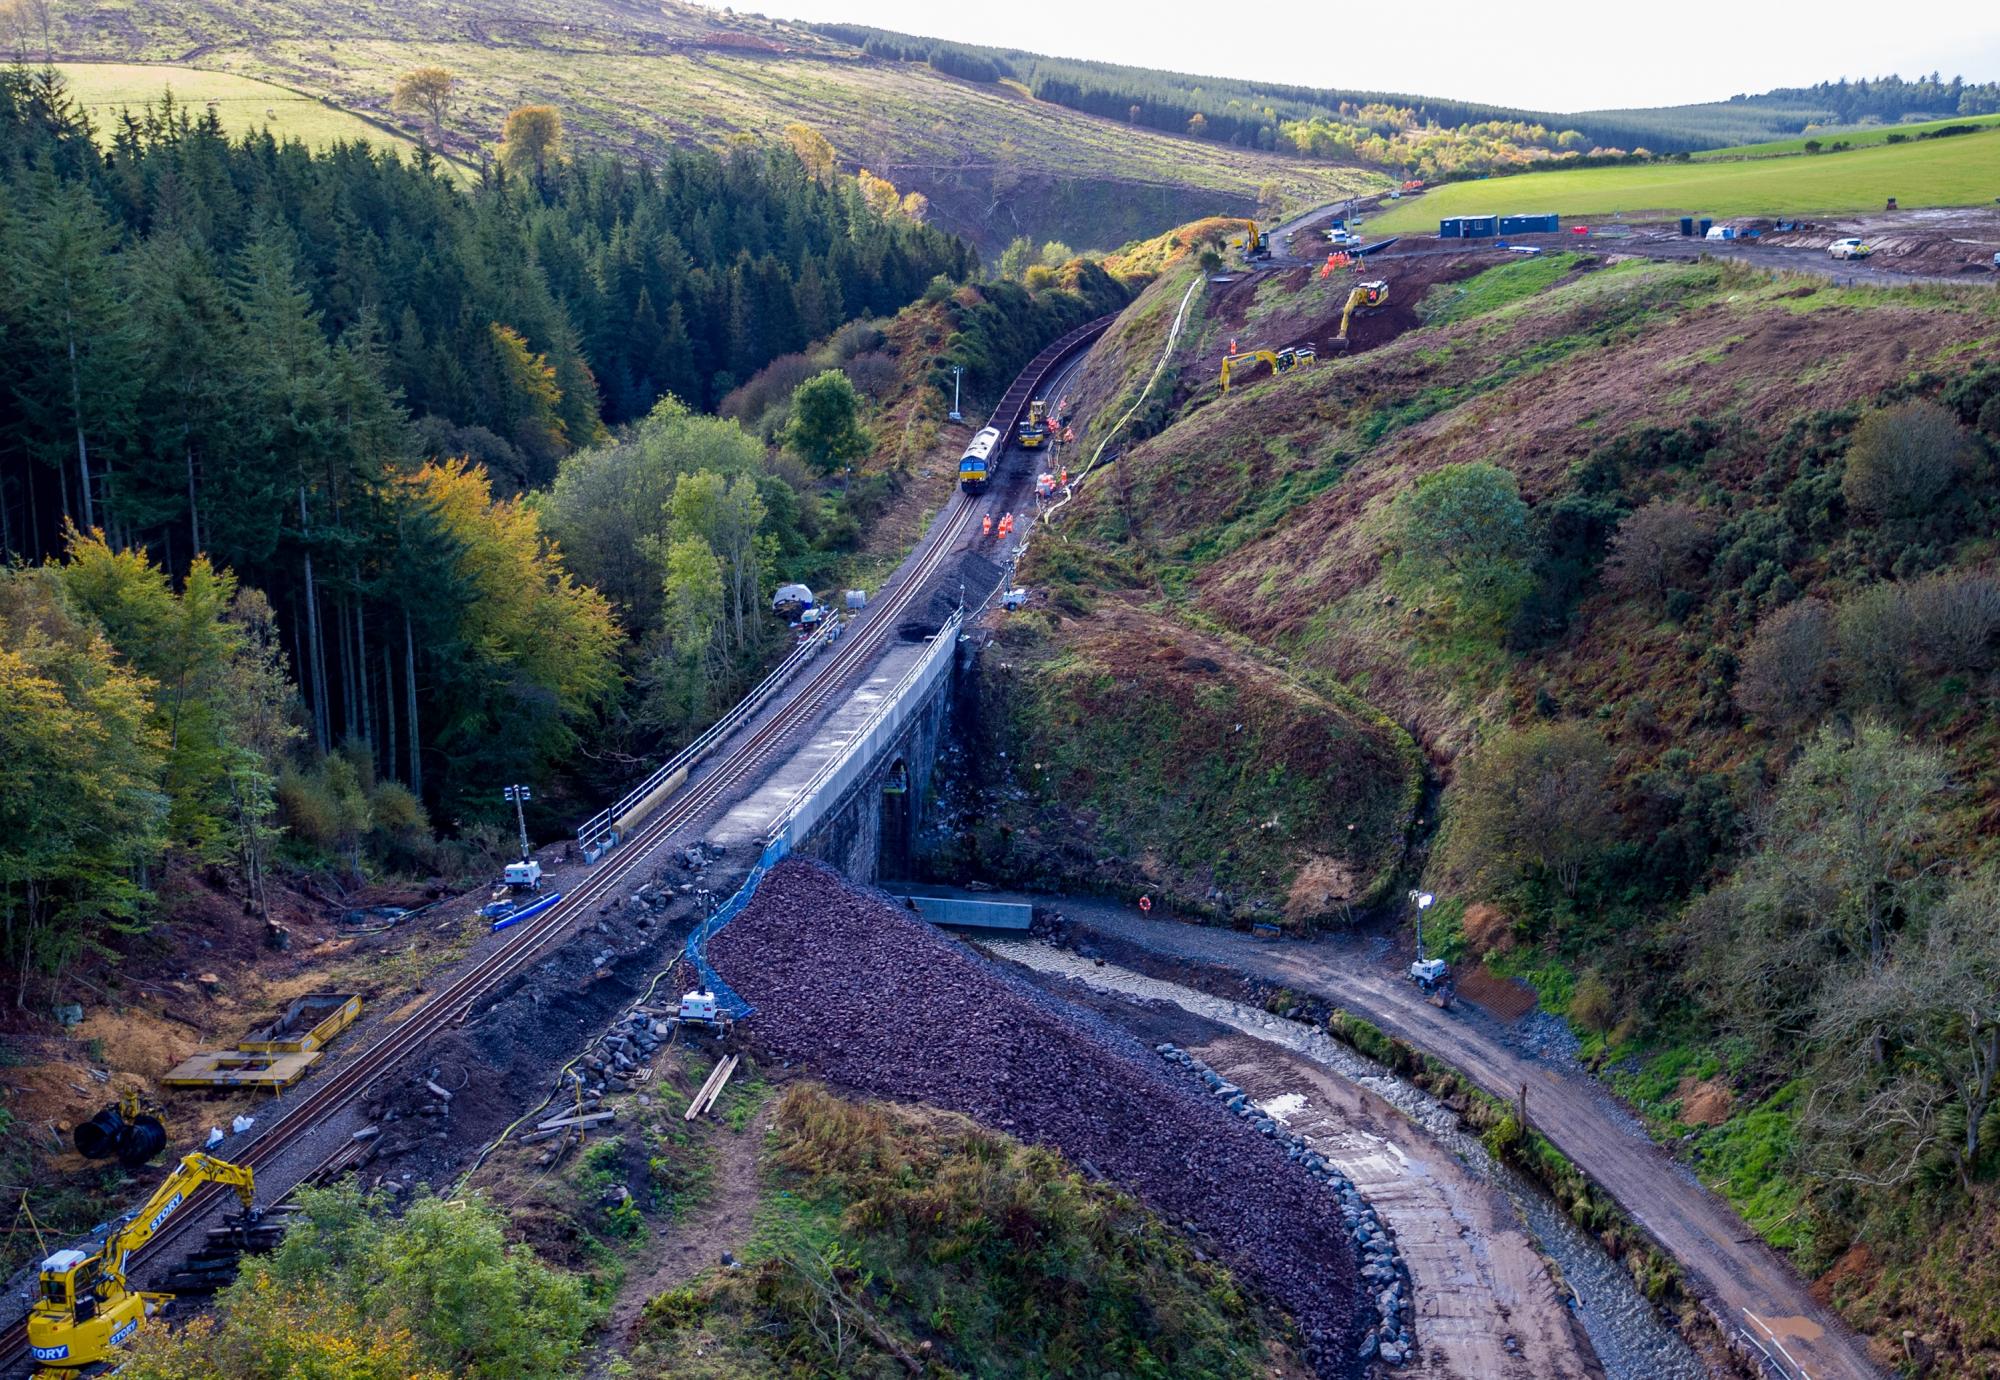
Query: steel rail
point(346, 1083)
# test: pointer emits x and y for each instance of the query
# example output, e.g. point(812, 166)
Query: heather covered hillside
point(1680, 578)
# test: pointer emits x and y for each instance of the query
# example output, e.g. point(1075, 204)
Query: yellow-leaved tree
point(525, 652)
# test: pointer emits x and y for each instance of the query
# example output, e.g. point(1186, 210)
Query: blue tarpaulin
point(527, 912)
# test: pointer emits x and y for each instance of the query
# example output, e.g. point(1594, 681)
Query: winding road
point(1746, 1280)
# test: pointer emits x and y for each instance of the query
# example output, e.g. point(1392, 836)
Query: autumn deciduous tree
point(80, 761)
point(1656, 546)
point(532, 139)
point(1904, 459)
point(533, 652)
point(1786, 671)
point(879, 193)
point(826, 424)
point(1534, 803)
point(815, 151)
point(1910, 1066)
point(1848, 850)
point(427, 91)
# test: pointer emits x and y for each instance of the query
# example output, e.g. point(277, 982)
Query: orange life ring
point(1145, 903)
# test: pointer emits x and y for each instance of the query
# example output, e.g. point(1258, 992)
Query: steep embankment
point(1151, 754)
point(867, 995)
point(1619, 543)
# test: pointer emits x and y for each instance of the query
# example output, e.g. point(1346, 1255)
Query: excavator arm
point(1248, 357)
point(87, 1310)
point(1372, 293)
point(192, 1172)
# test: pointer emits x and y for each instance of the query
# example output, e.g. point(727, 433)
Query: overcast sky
point(1541, 56)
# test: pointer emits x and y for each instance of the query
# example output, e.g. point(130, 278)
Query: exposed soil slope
point(1158, 759)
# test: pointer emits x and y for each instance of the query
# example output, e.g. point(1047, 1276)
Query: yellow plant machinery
point(1281, 361)
point(87, 1308)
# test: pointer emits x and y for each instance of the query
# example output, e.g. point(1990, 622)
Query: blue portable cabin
point(1451, 228)
point(1481, 227)
point(1531, 225)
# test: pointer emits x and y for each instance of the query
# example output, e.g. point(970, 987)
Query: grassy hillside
point(993, 161)
point(888, 1233)
point(1857, 136)
point(1961, 171)
point(108, 89)
point(1744, 412)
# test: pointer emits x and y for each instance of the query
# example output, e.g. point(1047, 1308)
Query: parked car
point(1850, 248)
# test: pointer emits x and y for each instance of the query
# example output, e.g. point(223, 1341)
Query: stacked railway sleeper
point(216, 1261)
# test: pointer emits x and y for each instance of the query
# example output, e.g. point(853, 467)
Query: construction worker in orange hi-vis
point(986, 525)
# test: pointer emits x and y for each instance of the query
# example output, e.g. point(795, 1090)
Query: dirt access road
point(1749, 1283)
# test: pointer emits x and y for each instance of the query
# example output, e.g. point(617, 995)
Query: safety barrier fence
point(726, 997)
point(600, 833)
point(819, 795)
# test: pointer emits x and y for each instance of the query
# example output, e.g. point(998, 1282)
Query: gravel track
point(868, 996)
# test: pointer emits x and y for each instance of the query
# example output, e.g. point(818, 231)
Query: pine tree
point(75, 376)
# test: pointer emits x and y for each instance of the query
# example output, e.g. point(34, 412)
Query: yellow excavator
point(1372, 293)
point(1253, 245)
point(1281, 361)
point(87, 1308)
point(1034, 430)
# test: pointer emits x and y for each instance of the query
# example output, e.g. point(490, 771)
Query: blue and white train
point(981, 459)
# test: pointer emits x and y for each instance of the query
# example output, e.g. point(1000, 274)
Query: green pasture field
point(1960, 171)
point(243, 103)
point(1859, 136)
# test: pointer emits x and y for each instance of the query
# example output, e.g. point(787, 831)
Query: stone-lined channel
point(1630, 1338)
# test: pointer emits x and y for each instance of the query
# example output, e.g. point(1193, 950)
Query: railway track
point(533, 941)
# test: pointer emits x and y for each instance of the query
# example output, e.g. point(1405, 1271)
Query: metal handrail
point(944, 637)
point(604, 821)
